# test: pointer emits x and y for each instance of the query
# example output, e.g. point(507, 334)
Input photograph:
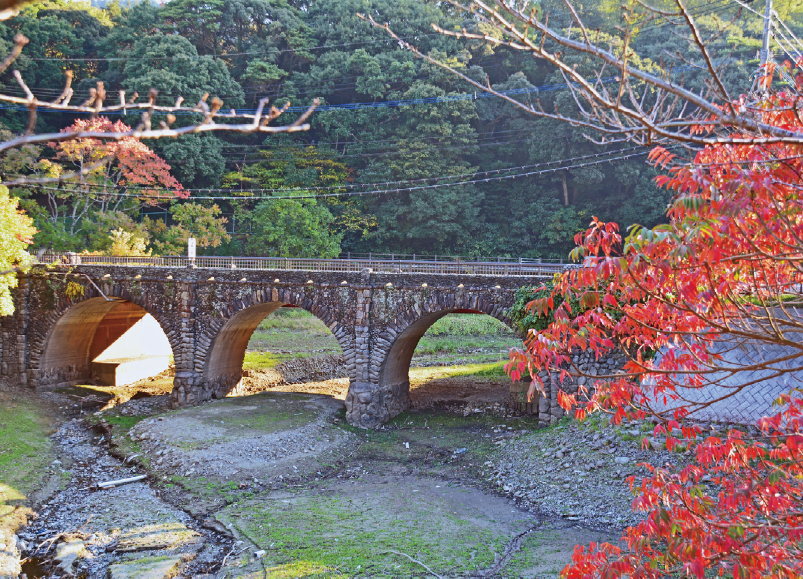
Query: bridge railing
point(441, 258)
point(496, 268)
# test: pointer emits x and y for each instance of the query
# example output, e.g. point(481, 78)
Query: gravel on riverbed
point(84, 530)
point(577, 470)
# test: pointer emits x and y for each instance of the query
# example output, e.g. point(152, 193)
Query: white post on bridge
point(191, 251)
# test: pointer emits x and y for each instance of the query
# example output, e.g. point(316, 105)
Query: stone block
point(67, 554)
point(145, 568)
point(124, 371)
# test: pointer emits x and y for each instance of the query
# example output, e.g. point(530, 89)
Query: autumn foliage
point(16, 231)
point(114, 171)
point(726, 271)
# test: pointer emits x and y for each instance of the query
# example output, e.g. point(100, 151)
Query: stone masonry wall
point(549, 410)
point(371, 315)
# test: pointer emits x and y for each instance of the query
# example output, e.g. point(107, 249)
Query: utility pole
point(765, 55)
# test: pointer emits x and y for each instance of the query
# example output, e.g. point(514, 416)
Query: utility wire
point(788, 30)
point(364, 185)
point(390, 141)
point(375, 192)
point(221, 56)
point(234, 158)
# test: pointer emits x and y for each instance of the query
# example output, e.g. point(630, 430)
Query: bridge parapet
point(502, 267)
point(208, 315)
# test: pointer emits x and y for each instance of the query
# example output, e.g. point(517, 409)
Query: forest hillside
point(402, 157)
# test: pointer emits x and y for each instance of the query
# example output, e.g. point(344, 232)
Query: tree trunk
point(565, 190)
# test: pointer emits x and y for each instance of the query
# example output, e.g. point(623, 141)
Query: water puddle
point(34, 568)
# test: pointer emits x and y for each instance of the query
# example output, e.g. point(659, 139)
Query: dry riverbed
point(277, 485)
point(274, 483)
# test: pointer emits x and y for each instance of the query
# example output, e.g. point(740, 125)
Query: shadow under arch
point(223, 367)
point(82, 331)
point(394, 372)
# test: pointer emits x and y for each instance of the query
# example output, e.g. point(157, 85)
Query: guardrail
point(510, 268)
point(441, 257)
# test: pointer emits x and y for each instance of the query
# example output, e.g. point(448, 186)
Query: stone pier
point(209, 314)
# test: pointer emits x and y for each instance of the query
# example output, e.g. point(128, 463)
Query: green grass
point(468, 325)
point(120, 425)
point(120, 422)
point(487, 370)
point(293, 319)
point(491, 370)
point(465, 344)
point(25, 453)
point(478, 337)
point(291, 333)
point(260, 360)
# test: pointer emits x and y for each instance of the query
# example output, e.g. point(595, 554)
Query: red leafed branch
point(711, 302)
point(112, 167)
point(725, 274)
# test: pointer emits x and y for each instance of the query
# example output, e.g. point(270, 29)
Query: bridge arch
point(222, 346)
point(396, 344)
point(70, 335)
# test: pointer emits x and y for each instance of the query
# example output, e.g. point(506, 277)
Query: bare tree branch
point(249, 123)
point(672, 113)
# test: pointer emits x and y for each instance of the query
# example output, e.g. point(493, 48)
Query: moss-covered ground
point(25, 446)
point(363, 529)
point(410, 489)
point(26, 452)
point(293, 333)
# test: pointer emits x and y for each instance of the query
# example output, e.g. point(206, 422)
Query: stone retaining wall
point(549, 410)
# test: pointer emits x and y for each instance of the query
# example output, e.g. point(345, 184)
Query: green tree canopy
point(172, 63)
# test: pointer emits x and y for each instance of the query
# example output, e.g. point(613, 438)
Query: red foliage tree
point(117, 169)
point(92, 175)
point(726, 271)
point(683, 298)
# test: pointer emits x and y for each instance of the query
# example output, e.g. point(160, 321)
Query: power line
point(222, 56)
point(391, 141)
point(364, 185)
point(705, 11)
point(375, 192)
point(233, 158)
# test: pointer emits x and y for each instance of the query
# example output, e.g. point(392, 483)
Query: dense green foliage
point(15, 235)
point(524, 318)
point(291, 50)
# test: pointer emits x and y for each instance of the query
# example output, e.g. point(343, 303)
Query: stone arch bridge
point(65, 315)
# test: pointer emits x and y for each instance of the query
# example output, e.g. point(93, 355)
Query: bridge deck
point(528, 268)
